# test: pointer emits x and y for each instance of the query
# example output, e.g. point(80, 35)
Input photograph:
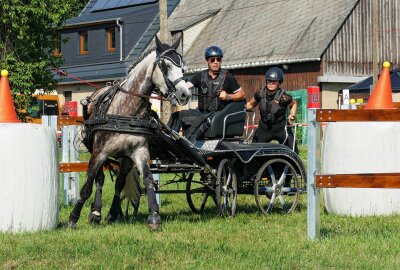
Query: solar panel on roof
point(113, 4)
point(110, 4)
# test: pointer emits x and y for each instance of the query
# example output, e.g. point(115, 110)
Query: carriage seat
point(234, 116)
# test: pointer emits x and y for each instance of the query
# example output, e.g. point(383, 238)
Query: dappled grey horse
point(119, 124)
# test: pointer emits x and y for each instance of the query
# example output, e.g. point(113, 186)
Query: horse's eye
point(168, 64)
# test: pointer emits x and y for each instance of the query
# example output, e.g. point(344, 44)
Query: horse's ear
point(159, 44)
point(176, 44)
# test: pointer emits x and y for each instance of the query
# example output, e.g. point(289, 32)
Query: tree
point(28, 37)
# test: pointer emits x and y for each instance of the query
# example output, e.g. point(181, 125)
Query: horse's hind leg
point(95, 164)
point(95, 213)
point(115, 210)
point(154, 219)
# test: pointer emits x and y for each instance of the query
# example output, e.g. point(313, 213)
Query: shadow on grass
point(172, 210)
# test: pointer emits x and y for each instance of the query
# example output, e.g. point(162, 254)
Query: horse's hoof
point(71, 225)
point(154, 222)
point(110, 219)
point(94, 217)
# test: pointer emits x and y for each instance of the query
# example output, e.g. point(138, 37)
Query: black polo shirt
point(230, 84)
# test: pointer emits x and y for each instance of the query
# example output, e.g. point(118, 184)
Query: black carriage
point(223, 165)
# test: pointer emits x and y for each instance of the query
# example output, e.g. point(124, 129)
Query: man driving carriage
point(273, 103)
point(217, 88)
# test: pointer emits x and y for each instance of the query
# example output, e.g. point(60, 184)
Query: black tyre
point(276, 187)
point(226, 189)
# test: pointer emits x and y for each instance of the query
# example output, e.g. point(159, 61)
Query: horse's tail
point(132, 189)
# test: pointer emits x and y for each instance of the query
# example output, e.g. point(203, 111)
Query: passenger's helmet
point(274, 74)
point(213, 51)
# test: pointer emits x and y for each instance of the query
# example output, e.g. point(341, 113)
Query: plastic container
point(29, 185)
point(361, 147)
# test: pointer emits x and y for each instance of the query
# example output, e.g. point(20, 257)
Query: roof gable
point(259, 32)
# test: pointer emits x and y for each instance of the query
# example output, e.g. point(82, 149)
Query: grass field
point(251, 240)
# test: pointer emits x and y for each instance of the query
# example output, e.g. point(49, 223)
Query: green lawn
point(189, 241)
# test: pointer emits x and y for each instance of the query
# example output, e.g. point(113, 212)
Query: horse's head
point(168, 74)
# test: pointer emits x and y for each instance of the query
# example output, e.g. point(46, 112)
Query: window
point(111, 40)
point(83, 42)
point(68, 96)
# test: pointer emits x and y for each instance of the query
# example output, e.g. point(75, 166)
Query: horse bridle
point(164, 69)
point(176, 59)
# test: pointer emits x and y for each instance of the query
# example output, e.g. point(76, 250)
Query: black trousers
point(277, 131)
point(193, 122)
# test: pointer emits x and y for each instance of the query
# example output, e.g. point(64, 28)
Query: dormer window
point(111, 43)
point(83, 42)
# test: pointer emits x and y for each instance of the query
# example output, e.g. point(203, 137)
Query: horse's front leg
point(154, 219)
point(95, 163)
point(115, 210)
point(95, 213)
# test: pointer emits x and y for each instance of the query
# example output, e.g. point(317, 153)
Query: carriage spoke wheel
point(226, 189)
point(197, 195)
point(276, 187)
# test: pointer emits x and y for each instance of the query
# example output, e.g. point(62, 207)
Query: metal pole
point(314, 155)
point(375, 47)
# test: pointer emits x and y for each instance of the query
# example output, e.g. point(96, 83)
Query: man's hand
point(291, 117)
point(223, 95)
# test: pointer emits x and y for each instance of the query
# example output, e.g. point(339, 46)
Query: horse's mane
point(139, 59)
point(100, 91)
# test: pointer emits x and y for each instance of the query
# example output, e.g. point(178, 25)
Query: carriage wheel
point(197, 194)
point(276, 187)
point(226, 188)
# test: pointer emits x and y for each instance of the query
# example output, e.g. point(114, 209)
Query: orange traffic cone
point(7, 110)
point(381, 97)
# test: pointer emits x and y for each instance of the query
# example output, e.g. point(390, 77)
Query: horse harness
point(147, 125)
point(101, 121)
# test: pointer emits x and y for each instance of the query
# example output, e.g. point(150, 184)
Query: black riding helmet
point(213, 51)
point(274, 74)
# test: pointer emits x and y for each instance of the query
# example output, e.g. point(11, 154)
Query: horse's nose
point(185, 96)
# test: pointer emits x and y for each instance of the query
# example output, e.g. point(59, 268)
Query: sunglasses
point(218, 59)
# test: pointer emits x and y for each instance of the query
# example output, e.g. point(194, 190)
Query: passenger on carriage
point(217, 88)
point(273, 103)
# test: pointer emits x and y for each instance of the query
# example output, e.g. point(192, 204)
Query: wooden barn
point(317, 42)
